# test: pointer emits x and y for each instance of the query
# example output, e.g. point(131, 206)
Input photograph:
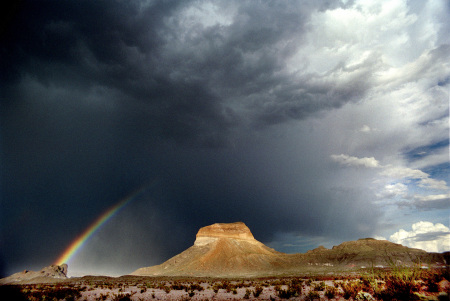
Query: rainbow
point(78, 243)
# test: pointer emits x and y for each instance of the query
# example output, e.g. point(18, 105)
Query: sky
point(313, 122)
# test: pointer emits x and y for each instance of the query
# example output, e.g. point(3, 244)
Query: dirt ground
point(91, 288)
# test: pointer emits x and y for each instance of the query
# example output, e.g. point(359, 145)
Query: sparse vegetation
point(351, 288)
point(121, 297)
point(294, 289)
point(320, 286)
point(330, 292)
point(401, 283)
point(313, 295)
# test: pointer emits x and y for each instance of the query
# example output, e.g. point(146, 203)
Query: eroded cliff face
point(220, 250)
point(213, 232)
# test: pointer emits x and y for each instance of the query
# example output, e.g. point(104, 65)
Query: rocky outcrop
point(48, 274)
point(213, 232)
point(220, 250)
point(230, 250)
point(55, 271)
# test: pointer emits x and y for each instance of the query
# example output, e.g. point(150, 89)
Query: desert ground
point(369, 284)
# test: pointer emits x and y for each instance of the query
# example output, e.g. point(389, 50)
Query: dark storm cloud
point(193, 80)
point(100, 97)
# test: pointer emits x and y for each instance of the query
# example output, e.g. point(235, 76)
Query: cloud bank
point(312, 122)
point(424, 235)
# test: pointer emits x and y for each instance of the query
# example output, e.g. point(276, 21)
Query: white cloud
point(404, 172)
point(424, 235)
point(433, 184)
point(408, 173)
point(433, 197)
point(355, 161)
point(395, 172)
point(393, 190)
point(402, 182)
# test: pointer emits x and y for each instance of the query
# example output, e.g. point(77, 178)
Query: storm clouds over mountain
point(312, 122)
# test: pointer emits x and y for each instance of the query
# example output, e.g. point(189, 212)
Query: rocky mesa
point(220, 250)
point(230, 250)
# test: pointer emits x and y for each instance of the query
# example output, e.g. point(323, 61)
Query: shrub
point(432, 279)
point(226, 285)
point(320, 286)
point(247, 294)
point(121, 297)
point(258, 291)
point(294, 290)
point(178, 287)
point(196, 287)
point(103, 297)
point(330, 292)
point(313, 295)
point(398, 288)
point(401, 284)
point(351, 289)
point(364, 296)
point(54, 293)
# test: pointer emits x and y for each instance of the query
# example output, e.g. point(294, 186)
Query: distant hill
point(53, 273)
point(230, 250)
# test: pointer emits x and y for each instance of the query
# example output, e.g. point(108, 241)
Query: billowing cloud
point(408, 173)
point(424, 235)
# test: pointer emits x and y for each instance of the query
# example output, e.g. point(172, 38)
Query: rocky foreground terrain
point(227, 263)
point(362, 285)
